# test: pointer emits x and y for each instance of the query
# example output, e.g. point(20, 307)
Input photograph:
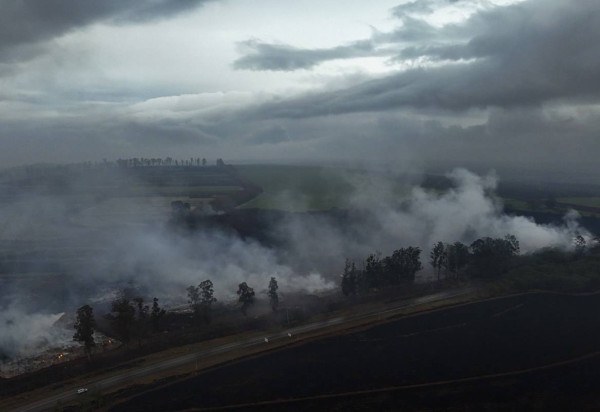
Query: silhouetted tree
point(246, 296)
point(403, 265)
point(193, 293)
point(122, 318)
point(273, 296)
point(156, 314)
point(84, 329)
point(142, 320)
point(491, 257)
point(206, 298)
point(457, 257)
point(349, 278)
point(437, 258)
point(373, 272)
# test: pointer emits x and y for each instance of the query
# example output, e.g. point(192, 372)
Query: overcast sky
point(490, 83)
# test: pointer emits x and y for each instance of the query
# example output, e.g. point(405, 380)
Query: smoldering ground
point(101, 246)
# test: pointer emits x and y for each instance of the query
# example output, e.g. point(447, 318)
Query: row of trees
point(201, 298)
point(168, 161)
point(131, 319)
point(377, 272)
point(485, 257)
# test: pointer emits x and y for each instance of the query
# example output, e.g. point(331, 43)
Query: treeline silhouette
point(41, 169)
point(377, 272)
point(485, 257)
point(488, 259)
point(132, 320)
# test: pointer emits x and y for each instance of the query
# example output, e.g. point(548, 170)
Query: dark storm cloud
point(265, 56)
point(26, 22)
point(520, 55)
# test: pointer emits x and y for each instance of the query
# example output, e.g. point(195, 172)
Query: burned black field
point(476, 340)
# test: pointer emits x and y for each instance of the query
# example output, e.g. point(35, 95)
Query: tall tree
point(402, 265)
point(349, 278)
point(193, 293)
point(246, 296)
point(457, 257)
point(373, 272)
point(438, 257)
point(156, 314)
point(273, 296)
point(206, 298)
point(142, 320)
point(122, 318)
point(84, 329)
point(492, 256)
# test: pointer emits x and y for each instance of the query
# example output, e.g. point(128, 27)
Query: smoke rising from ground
point(24, 333)
point(467, 212)
point(100, 254)
point(380, 221)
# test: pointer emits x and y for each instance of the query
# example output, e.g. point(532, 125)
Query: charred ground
point(499, 336)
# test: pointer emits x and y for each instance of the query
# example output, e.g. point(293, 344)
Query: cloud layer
point(27, 22)
point(507, 84)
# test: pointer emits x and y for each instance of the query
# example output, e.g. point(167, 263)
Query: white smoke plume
point(140, 251)
point(383, 222)
point(469, 211)
point(23, 333)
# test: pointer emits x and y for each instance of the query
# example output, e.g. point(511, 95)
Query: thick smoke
point(24, 333)
point(382, 221)
point(466, 212)
point(104, 245)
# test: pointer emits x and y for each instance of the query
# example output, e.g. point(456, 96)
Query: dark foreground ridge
point(476, 340)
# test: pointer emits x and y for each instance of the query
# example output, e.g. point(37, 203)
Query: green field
point(314, 188)
point(311, 188)
point(581, 201)
point(515, 204)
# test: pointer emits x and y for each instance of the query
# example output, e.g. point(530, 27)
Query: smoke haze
point(96, 252)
